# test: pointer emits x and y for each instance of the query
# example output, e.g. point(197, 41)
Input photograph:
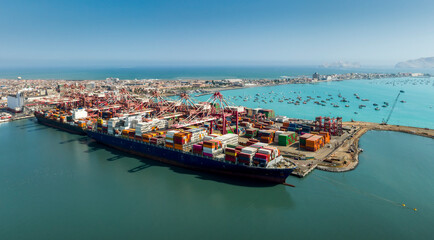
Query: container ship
point(66, 123)
point(213, 136)
point(193, 148)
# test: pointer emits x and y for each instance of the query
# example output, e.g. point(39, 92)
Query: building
point(16, 102)
point(316, 76)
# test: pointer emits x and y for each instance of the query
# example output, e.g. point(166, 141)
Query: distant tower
point(315, 76)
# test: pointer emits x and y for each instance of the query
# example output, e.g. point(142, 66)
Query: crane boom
point(393, 107)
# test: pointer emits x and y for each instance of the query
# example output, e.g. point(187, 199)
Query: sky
point(210, 32)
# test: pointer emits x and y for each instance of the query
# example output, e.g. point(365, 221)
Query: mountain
point(417, 63)
point(341, 64)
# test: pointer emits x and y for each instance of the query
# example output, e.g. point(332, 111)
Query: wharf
point(22, 117)
point(304, 169)
point(346, 156)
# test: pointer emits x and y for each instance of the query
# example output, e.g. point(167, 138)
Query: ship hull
point(190, 160)
point(59, 125)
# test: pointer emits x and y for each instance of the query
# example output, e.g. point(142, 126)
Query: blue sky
point(287, 32)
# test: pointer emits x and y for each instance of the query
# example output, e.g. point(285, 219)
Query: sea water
point(417, 110)
point(56, 185)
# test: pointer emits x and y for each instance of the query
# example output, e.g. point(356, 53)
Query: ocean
point(183, 72)
point(417, 110)
point(56, 185)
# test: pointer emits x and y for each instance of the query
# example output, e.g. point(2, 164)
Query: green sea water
point(56, 185)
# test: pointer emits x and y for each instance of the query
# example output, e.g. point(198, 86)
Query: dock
point(303, 171)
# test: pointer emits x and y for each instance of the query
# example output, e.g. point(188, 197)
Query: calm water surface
point(417, 111)
point(55, 185)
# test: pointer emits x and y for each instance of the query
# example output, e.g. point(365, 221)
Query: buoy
point(415, 209)
point(403, 204)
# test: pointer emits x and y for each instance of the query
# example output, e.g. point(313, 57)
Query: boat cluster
point(270, 97)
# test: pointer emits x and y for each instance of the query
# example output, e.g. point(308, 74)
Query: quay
point(346, 156)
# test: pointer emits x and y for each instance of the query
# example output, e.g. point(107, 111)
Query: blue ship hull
point(62, 126)
point(190, 160)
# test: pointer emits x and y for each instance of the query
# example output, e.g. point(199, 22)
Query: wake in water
point(359, 191)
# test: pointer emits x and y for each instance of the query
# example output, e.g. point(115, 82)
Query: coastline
point(349, 150)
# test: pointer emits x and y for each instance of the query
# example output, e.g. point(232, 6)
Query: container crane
point(391, 110)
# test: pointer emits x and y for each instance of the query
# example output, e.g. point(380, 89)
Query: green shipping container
point(283, 140)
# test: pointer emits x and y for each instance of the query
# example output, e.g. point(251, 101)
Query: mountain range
point(427, 62)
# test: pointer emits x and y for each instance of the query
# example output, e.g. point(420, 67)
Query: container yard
point(219, 135)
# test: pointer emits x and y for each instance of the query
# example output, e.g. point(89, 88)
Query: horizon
point(250, 33)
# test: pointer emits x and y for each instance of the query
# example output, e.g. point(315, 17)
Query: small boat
point(347, 105)
point(365, 99)
point(375, 104)
point(356, 113)
point(403, 101)
point(377, 109)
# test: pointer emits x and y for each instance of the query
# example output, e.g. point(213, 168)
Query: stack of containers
point(326, 136)
point(99, 124)
point(197, 148)
point(275, 152)
point(82, 124)
point(197, 134)
point(241, 131)
point(292, 127)
point(306, 129)
point(111, 124)
point(246, 155)
point(126, 133)
point(267, 136)
point(276, 135)
point(287, 138)
point(314, 143)
point(169, 138)
point(105, 128)
point(228, 139)
point(212, 148)
point(132, 134)
point(303, 139)
point(158, 140)
point(259, 145)
point(181, 140)
point(231, 155)
point(251, 141)
point(148, 136)
point(269, 113)
point(211, 136)
point(262, 157)
point(251, 132)
point(150, 125)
